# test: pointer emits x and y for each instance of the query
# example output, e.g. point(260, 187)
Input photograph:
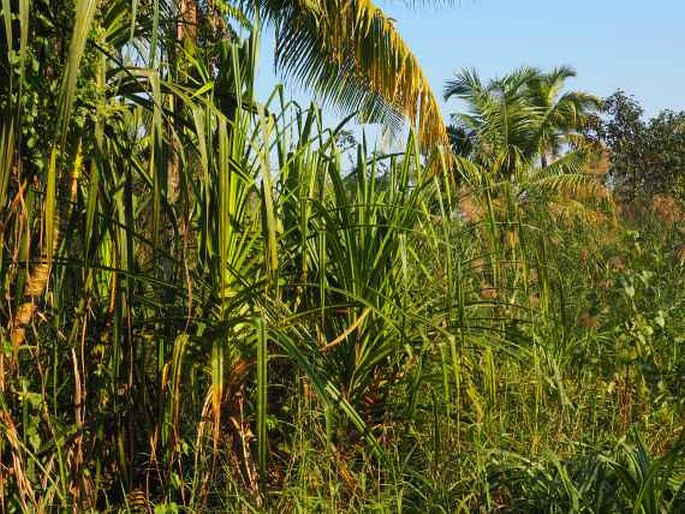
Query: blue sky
point(636, 45)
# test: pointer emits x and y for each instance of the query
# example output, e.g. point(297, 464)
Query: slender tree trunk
point(186, 29)
point(187, 20)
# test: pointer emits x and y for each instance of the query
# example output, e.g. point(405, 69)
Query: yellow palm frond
point(350, 51)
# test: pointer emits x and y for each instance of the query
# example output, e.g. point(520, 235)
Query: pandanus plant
point(143, 279)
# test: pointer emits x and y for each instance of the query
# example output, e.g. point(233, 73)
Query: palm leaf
point(351, 52)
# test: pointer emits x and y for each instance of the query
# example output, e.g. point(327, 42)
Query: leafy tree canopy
point(648, 155)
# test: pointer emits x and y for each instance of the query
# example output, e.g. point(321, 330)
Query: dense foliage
point(212, 304)
point(648, 157)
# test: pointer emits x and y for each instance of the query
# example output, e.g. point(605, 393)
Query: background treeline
point(212, 304)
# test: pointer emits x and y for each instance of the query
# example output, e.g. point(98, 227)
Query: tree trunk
point(186, 28)
point(187, 20)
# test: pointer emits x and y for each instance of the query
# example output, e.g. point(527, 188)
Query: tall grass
point(212, 304)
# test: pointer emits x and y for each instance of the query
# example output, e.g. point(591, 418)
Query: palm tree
point(519, 120)
point(500, 121)
point(511, 138)
point(564, 116)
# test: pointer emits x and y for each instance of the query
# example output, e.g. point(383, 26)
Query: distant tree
point(563, 115)
point(648, 156)
point(519, 121)
point(497, 131)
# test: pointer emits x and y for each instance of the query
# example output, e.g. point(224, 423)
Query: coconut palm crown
point(521, 119)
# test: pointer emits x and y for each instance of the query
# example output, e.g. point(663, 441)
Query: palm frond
point(351, 52)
